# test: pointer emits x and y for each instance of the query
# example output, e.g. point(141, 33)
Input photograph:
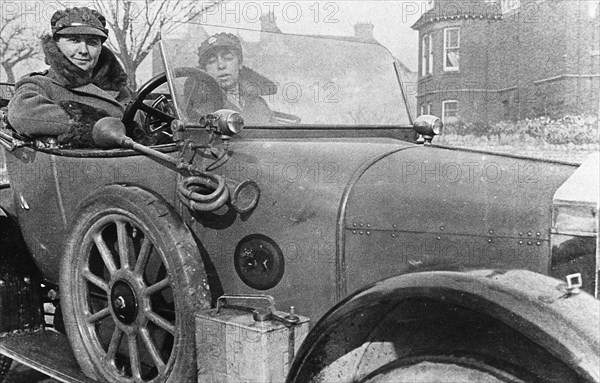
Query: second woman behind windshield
point(221, 57)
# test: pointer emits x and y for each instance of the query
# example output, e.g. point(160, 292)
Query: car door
point(37, 205)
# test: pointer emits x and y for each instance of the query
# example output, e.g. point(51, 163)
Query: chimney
point(268, 23)
point(363, 31)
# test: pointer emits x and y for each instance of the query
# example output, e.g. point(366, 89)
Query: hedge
point(567, 129)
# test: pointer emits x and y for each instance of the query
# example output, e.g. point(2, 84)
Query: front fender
point(533, 305)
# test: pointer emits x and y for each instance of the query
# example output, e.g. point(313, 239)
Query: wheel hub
point(124, 302)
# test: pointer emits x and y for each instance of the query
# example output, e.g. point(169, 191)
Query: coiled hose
point(189, 192)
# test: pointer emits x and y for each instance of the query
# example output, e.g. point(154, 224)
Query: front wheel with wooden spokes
point(131, 280)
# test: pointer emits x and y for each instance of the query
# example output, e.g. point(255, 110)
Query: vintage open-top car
point(414, 262)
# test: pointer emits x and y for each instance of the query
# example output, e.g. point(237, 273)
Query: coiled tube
point(189, 195)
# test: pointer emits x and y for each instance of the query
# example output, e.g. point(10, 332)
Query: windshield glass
point(275, 79)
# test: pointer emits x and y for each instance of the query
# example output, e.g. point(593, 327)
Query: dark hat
point(220, 40)
point(79, 21)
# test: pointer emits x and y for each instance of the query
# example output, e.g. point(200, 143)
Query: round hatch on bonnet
point(259, 262)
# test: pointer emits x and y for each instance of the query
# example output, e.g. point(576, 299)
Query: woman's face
point(224, 66)
point(81, 50)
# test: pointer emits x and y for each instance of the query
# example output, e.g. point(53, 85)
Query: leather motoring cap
point(225, 40)
point(79, 21)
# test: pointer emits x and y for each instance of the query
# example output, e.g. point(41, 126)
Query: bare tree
point(16, 44)
point(136, 25)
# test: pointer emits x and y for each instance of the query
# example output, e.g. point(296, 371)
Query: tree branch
point(135, 31)
point(16, 41)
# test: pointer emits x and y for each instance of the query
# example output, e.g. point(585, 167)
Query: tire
point(129, 316)
point(430, 341)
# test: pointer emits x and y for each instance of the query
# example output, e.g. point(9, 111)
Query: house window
point(425, 109)
point(427, 55)
point(430, 54)
point(451, 49)
point(449, 110)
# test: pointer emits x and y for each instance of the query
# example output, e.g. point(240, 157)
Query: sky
point(391, 19)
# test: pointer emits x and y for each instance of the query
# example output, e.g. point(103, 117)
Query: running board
point(46, 351)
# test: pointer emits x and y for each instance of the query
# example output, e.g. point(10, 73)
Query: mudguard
point(345, 345)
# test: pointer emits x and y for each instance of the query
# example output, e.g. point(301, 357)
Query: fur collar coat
point(64, 101)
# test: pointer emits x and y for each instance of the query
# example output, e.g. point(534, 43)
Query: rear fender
point(386, 322)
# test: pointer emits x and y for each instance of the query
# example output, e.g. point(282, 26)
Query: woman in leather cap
point(221, 57)
point(84, 83)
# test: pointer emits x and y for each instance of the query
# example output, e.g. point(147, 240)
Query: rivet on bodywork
point(394, 226)
point(368, 225)
point(538, 234)
point(538, 243)
point(489, 240)
point(529, 233)
point(520, 242)
point(394, 235)
point(368, 233)
point(360, 224)
point(442, 228)
point(439, 238)
point(353, 231)
point(520, 234)
point(529, 243)
point(354, 224)
point(360, 232)
point(491, 231)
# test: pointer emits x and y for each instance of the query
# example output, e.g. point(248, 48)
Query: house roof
point(460, 10)
point(348, 38)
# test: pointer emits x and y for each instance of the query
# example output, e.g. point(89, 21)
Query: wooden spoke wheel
point(131, 280)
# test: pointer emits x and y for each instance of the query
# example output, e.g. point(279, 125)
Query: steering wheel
point(201, 93)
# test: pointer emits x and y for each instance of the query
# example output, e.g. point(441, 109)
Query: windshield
point(283, 78)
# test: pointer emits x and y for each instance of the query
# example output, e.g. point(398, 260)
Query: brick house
point(492, 60)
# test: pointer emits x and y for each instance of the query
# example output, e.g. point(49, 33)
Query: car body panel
point(450, 206)
point(48, 186)
point(36, 202)
point(326, 203)
point(315, 194)
point(302, 183)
